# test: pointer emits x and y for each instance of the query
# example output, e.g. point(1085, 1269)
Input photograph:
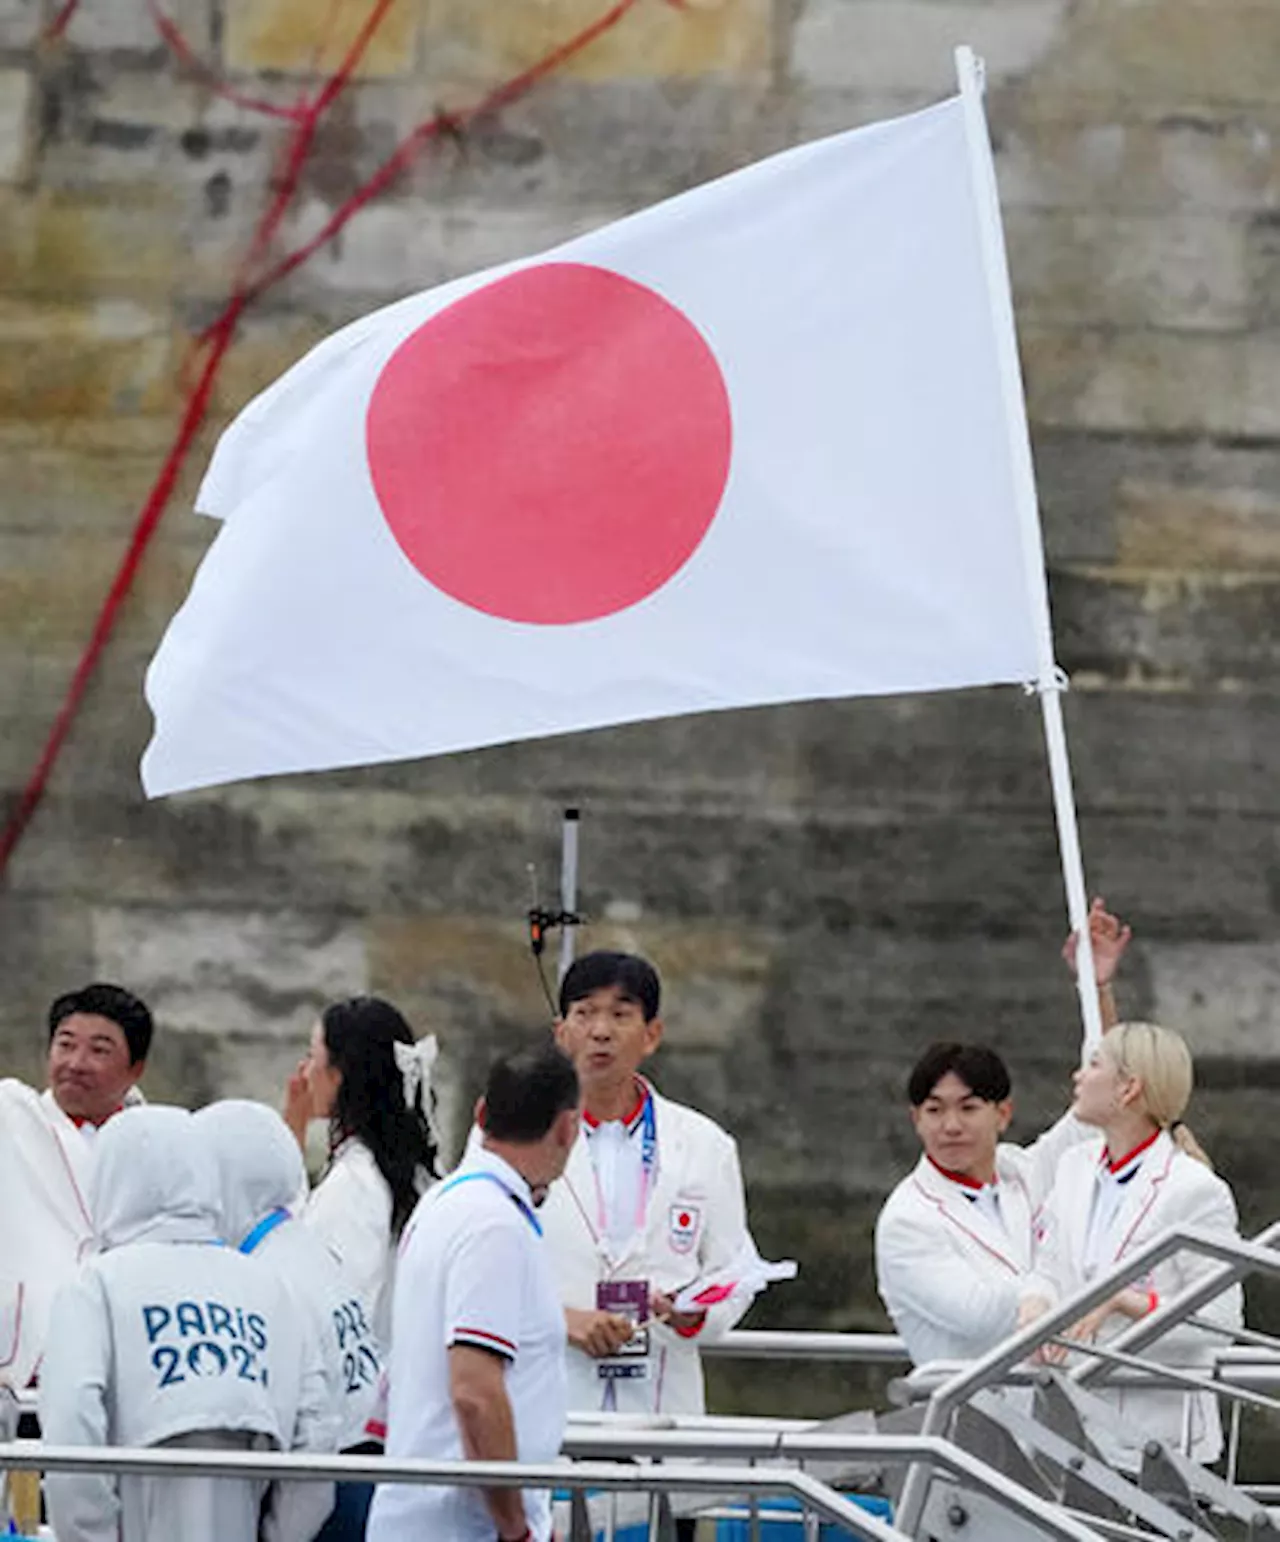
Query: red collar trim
point(962, 1179)
point(632, 1119)
point(94, 1124)
point(1115, 1165)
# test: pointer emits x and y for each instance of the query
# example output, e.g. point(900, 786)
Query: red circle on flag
point(551, 448)
point(685, 1218)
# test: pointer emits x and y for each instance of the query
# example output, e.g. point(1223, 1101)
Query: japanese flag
point(746, 446)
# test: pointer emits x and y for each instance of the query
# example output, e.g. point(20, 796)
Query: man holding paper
point(647, 1232)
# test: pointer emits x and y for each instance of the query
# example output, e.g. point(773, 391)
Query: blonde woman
point(1110, 1197)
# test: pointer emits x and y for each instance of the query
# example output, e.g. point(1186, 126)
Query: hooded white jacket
point(261, 1172)
point(167, 1336)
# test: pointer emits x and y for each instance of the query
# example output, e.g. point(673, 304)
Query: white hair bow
point(414, 1062)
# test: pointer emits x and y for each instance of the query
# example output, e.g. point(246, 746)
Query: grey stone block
point(1084, 154)
point(1177, 630)
point(907, 44)
point(1225, 997)
point(20, 22)
point(1187, 270)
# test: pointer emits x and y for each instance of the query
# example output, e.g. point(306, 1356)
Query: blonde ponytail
point(1180, 1134)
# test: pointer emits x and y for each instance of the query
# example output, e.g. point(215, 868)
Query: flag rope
point(250, 285)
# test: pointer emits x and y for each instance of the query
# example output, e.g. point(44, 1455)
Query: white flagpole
point(1050, 682)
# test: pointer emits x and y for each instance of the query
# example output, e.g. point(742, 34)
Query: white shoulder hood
point(257, 1161)
point(152, 1181)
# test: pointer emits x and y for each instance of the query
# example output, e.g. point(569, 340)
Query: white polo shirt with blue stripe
point(472, 1270)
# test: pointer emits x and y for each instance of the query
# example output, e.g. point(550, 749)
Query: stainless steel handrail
point(990, 1368)
point(822, 1446)
point(1244, 1367)
point(1147, 1329)
point(666, 1476)
point(770, 1344)
point(1176, 1376)
point(812, 1494)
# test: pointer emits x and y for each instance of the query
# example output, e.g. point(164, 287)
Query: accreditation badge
point(627, 1298)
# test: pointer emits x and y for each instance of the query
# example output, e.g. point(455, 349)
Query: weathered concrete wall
point(825, 887)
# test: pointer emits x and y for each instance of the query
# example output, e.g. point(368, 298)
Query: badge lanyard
point(521, 1205)
point(264, 1228)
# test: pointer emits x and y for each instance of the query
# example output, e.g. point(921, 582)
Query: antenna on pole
point(542, 921)
point(569, 918)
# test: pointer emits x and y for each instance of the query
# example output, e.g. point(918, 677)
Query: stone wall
point(825, 887)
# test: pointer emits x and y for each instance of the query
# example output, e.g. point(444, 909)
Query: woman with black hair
point(367, 1076)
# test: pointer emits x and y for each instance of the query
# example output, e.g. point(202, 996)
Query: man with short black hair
point(99, 1038)
point(477, 1339)
point(954, 1240)
point(651, 1206)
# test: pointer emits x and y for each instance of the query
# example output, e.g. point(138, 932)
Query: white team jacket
point(12, 1294)
point(261, 1172)
point(950, 1278)
point(695, 1223)
point(350, 1211)
point(167, 1335)
point(44, 1215)
point(1169, 1189)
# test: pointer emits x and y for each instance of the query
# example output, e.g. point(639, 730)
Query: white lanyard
point(600, 1233)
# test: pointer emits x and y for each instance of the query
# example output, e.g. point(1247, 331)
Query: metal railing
point(1240, 1257)
point(767, 1344)
point(666, 1476)
point(669, 1443)
point(810, 1446)
point(813, 1496)
point(1247, 1370)
point(1147, 1329)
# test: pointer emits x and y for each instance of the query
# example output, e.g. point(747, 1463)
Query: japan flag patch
point(684, 1223)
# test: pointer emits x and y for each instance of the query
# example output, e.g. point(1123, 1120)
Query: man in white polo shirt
point(478, 1335)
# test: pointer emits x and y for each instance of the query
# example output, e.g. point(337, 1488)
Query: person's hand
point(1032, 1307)
point(663, 1307)
point(1050, 1354)
point(1086, 1330)
point(1109, 938)
point(297, 1103)
point(598, 1334)
point(1133, 1303)
point(1029, 1309)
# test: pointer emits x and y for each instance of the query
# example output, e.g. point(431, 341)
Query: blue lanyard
point(264, 1228)
point(506, 1188)
point(648, 1141)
